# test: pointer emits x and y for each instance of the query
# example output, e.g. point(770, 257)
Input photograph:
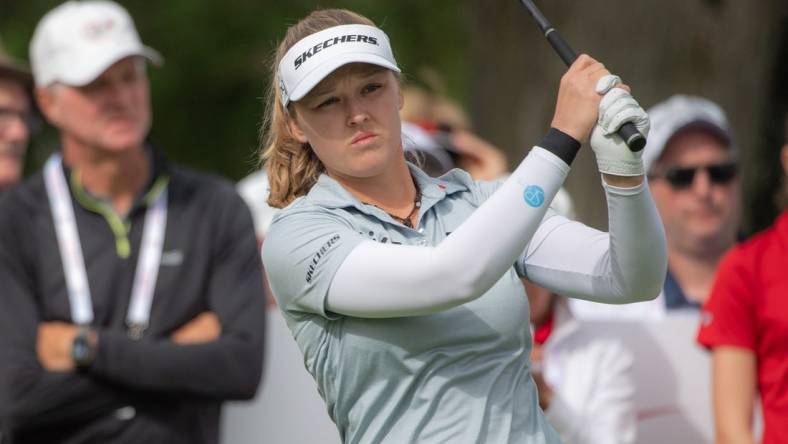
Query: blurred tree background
point(732, 52)
point(208, 95)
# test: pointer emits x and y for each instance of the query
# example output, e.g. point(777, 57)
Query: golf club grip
point(628, 131)
point(560, 46)
point(632, 137)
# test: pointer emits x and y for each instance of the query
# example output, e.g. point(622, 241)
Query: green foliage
point(207, 97)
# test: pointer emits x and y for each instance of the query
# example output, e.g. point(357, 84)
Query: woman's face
point(351, 120)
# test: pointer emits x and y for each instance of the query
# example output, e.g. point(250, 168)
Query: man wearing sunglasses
point(15, 112)
point(693, 175)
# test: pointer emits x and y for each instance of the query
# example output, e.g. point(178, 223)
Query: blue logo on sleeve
point(534, 196)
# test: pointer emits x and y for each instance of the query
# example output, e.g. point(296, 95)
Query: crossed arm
point(217, 355)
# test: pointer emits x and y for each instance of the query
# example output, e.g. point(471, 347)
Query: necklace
point(407, 219)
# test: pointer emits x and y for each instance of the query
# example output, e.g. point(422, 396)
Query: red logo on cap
point(97, 29)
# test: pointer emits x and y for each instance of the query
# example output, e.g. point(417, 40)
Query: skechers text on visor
point(316, 56)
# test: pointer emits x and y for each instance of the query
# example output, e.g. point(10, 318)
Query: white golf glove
point(617, 107)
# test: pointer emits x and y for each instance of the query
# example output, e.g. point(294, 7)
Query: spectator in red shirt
point(745, 324)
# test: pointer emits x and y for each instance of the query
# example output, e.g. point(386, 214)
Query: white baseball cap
point(679, 113)
point(78, 40)
point(317, 55)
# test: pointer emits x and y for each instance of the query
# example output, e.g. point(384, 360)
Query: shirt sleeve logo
point(534, 196)
point(310, 271)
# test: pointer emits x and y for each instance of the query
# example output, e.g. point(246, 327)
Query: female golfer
point(403, 291)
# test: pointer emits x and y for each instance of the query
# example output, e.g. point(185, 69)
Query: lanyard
point(74, 270)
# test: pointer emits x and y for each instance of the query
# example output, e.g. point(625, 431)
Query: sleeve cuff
point(561, 144)
point(625, 191)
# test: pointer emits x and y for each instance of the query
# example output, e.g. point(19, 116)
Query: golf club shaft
point(628, 131)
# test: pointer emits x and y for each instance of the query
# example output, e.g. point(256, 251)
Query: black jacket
point(172, 392)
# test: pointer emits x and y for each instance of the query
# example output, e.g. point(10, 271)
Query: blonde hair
point(292, 166)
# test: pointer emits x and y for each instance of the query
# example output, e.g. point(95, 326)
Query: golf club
point(628, 131)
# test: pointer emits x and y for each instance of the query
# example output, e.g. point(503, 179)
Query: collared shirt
point(460, 375)
point(120, 224)
point(674, 296)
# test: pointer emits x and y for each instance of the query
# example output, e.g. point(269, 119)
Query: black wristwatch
point(83, 349)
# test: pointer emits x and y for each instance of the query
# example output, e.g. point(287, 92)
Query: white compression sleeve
point(384, 280)
point(628, 264)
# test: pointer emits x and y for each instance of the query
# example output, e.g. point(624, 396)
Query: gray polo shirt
point(457, 376)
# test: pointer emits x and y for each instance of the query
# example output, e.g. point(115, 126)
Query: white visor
point(316, 56)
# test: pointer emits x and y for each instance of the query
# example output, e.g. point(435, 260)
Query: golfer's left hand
point(617, 107)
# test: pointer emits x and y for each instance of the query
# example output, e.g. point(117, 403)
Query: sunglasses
point(683, 177)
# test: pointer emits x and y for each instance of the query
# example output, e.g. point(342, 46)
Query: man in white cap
point(15, 119)
point(692, 168)
point(132, 304)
